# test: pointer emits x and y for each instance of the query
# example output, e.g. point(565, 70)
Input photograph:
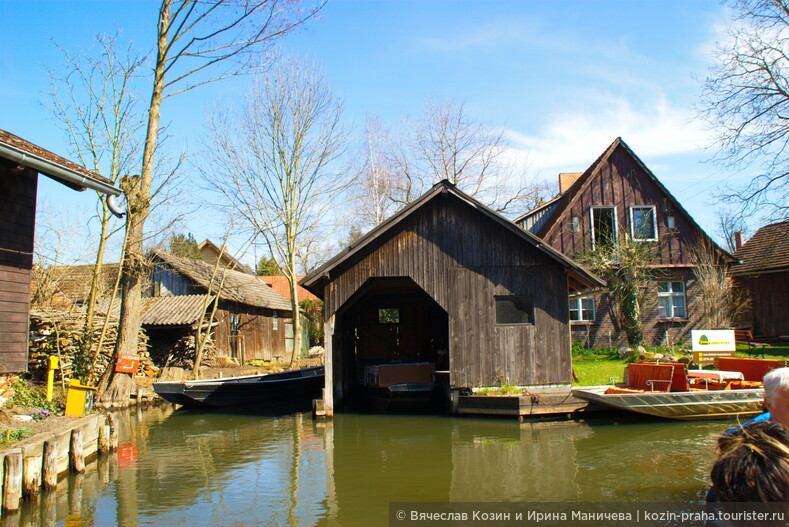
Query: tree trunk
point(138, 195)
point(294, 306)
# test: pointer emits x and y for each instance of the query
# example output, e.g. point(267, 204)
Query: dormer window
point(643, 226)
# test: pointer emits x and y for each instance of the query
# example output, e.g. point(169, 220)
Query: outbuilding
point(446, 282)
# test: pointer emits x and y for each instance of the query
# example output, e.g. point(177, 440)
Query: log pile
point(60, 333)
point(182, 353)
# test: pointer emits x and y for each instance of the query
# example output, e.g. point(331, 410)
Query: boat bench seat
point(650, 376)
point(751, 369)
point(622, 389)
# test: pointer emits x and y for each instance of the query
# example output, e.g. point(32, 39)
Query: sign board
point(709, 344)
point(127, 364)
point(713, 340)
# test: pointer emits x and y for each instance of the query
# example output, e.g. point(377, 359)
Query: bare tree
point(93, 101)
point(445, 143)
point(196, 43)
point(745, 98)
point(729, 224)
point(274, 163)
point(722, 303)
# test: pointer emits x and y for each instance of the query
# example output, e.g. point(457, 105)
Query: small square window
point(514, 310)
point(671, 300)
point(642, 223)
point(389, 315)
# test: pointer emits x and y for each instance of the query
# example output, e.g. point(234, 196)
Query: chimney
point(737, 240)
point(566, 180)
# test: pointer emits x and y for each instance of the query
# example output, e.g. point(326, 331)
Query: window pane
point(643, 223)
point(679, 306)
point(514, 310)
point(664, 308)
point(663, 287)
point(389, 315)
point(574, 315)
point(588, 314)
point(678, 287)
point(604, 224)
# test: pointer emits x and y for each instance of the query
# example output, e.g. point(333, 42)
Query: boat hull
point(285, 388)
point(688, 406)
point(401, 397)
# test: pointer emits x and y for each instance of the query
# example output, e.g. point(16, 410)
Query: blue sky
point(563, 78)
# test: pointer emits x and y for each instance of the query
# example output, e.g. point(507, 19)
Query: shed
point(20, 164)
point(764, 273)
point(448, 282)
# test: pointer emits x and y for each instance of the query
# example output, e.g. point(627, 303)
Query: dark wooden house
point(252, 321)
point(617, 194)
point(20, 164)
point(449, 283)
point(764, 274)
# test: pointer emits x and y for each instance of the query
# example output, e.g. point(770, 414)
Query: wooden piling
point(104, 438)
point(114, 430)
point(50, 467)
point(32, 460)
point(12, 481)
point(77, 454)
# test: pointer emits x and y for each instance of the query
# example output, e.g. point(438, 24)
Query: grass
point(597, 366)
point(504, 389)
point(12, 435)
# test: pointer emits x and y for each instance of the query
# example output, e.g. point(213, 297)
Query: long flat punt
point(273, 388)
point(693, 405)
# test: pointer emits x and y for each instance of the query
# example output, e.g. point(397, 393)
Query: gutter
point(55, 170)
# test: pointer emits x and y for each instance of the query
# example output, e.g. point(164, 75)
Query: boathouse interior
point(391, 321)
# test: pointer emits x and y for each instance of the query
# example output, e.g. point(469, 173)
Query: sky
point(564, 79)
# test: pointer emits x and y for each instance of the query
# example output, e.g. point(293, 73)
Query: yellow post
point(52, 365)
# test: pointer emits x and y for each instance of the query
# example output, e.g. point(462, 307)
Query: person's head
point(776, 395)
point(753, 464)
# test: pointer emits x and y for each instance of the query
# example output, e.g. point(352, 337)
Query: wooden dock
point(542, 403)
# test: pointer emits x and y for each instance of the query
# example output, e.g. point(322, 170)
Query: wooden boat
point(406, 396)
point(687, 405)
point(283, 389)
point(672, 391)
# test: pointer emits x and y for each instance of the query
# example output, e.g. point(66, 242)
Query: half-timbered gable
point(618, 195)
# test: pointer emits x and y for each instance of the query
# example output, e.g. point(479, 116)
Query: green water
point(194, 469)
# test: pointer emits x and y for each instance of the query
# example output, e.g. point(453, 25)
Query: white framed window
point(582, 309)
point(671, 300)
point(643, 226)
point(603, 229)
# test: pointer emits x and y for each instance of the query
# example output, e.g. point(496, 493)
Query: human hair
point(774, 381)
point(753, 464)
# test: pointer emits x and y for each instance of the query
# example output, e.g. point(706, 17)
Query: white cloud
point(572, 139)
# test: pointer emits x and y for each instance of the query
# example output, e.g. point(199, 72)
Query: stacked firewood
point(61, 333)
point(182, 353)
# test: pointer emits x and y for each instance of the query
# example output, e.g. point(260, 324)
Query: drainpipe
point(50, 168)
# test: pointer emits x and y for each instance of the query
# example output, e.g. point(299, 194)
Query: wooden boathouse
point(448, 283)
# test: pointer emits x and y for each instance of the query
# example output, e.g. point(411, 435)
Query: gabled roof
point(767, 250)
point(565, 200)
point(238, 287)
point(52, 165)
point(582, 278)
point(227, 259)
point(279, 283)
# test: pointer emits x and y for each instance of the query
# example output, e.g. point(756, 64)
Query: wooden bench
point(751, 369)
point(745, 337)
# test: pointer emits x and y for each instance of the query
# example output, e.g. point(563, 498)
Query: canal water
point(193, 469)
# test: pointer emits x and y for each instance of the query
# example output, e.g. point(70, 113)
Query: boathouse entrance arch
point(387, 321)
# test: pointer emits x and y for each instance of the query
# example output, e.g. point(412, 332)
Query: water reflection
point(186, 468)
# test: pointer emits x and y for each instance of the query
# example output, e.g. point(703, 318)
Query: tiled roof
point(26, 146)
point(238, 287)
point(74, 280)
point(279, 283)
point(164, 310)
point(767, 250)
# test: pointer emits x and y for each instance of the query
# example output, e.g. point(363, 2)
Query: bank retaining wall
point(36, 464)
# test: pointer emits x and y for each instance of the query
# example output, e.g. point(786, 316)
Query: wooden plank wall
point(263, 334)
point(768, 317)
point(17, 220)
point(622, 183)
point(462, 258)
